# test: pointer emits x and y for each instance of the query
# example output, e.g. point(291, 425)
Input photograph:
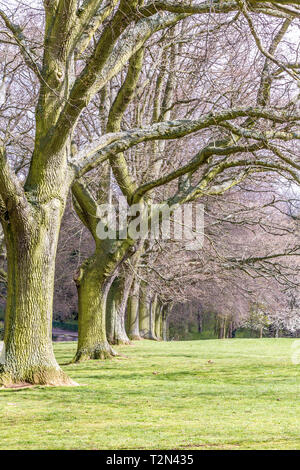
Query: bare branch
point(119, 142)
point(28, 54)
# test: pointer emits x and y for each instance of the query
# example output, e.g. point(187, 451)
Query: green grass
point(164, 396)
point(210, 334)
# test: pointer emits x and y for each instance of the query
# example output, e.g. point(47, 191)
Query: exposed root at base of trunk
point(135, 337)
point(34, 376)
point(121, 341)
point(151, 337)
point(100, 351)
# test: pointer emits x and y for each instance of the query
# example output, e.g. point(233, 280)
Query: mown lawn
point(210, 394)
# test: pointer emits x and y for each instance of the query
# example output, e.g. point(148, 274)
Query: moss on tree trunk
point(92, 287)
point(27, 356)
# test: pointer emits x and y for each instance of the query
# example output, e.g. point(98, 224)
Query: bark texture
point(27, 356)
point(93, 287)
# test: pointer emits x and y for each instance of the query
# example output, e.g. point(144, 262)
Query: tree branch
point(11, 191)
point(112, 53)
point(112, 144)
point(210, 6)
point(119, 106)
point(27, 53)
point(266, 53)
point(90, 20)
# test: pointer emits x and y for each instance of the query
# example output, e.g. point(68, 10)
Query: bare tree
point(83, 46)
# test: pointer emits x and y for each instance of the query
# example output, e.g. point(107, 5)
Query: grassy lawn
point(164, 396)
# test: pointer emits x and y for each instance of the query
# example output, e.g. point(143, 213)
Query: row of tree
point(158, 101)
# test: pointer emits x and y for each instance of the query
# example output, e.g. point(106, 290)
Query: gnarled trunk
point(27, 356)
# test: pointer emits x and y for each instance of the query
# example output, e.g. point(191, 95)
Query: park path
point(64, 335)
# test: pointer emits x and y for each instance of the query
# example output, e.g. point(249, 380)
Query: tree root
point(41, 375)
point(135, 337)
point(121, 341)
point(100, 351)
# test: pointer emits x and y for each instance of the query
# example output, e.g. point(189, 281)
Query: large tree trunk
point(116, 308)
point(93, 286)
point(133, 312)
point(27, 356)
